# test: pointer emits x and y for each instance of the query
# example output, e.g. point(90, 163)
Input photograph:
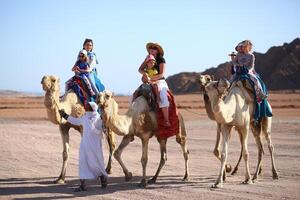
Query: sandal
point(167, 123)
point(81, 188)
point(103, 181)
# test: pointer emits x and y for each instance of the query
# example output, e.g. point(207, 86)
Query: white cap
point(94, 106)
point(83, 51)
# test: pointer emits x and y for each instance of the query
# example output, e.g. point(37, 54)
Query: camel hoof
point(128, 177)
point(254, 179)
point(247, 182)
point(275, 176)
point(185, 178)
point(59, 181)
point(152, 181)
point(143, 183)
point(228, 168)
point(234, 171)
point(217, 185)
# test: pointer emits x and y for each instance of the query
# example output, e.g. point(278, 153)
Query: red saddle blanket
point(163, 131)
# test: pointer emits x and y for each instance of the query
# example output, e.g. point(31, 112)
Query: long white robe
point(91, 160)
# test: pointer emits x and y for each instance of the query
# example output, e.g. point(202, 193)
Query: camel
point(138, 121)
point(204, 80)
point(72, 105)
point(237, 110)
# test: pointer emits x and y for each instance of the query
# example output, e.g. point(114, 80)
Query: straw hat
point(155, 45)
point(239, 45)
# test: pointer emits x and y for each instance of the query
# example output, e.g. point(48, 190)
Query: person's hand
point(63, 114)
point(145, 78)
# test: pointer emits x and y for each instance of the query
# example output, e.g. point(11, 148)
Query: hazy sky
point(44, 37)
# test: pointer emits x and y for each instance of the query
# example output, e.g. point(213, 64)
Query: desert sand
point(31, 157)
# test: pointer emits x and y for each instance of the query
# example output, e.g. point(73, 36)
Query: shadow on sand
point(44, 188)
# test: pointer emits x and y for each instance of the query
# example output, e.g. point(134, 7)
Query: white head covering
point(84, 52)
point(94, 106)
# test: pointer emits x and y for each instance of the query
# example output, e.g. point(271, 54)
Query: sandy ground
point(30, 157)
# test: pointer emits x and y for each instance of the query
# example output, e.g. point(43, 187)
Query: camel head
point(216, 89)
point(106, 101)
point(205, 79)
point(50, 83)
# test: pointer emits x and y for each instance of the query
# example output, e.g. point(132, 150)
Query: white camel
point(141, 122)
point(72, 105)
point(204, 80)
point(237, 110)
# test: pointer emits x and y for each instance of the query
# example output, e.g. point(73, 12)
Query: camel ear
point(54, 79)
point(108, 94)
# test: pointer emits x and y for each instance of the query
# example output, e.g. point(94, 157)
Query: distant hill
point(17, 93)
point(279, 67)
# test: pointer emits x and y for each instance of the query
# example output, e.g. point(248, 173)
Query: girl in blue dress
point(93, 61)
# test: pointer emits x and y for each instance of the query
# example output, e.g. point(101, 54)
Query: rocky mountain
point(279, 67)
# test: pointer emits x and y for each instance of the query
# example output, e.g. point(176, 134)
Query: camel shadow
point(44, 188)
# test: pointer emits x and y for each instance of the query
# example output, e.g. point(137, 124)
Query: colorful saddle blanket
point(78, 85)
point(163, 132)
point(262, 109)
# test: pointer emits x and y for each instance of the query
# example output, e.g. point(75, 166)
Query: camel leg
point(217, 145)
point(256, 129)
point(224, 155)
point(144, 160)
point(117, 154)
point(240, 157)
point(245, 132)
point(182, 141)
point(112, 146)
point(64, 132)
point(266, 128)
point(163, 159)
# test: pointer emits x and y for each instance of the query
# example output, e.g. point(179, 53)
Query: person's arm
point(142, 67)
point(98, 124)
point(88, 69)
point(234, 60)
point(85, 70)
point(75, 121)
point(75, 68)
point(251, 63)
point(161, 72)
point(72, 120)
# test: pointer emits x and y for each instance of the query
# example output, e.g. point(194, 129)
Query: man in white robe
point(91, 160)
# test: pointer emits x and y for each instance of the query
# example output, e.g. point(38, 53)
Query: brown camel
point(141, 122)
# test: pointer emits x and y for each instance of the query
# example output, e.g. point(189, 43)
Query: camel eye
point(53, 80)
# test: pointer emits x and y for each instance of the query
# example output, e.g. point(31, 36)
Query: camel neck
point(224, 109)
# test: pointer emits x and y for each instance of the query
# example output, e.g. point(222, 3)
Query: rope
point(191, 111)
